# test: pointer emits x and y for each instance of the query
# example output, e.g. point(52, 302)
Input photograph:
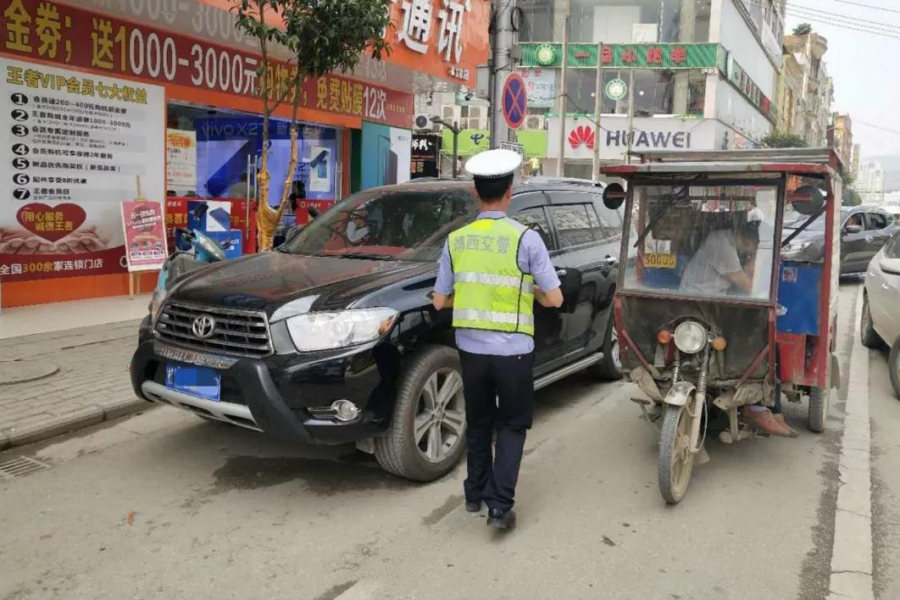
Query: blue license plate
point(196, 381)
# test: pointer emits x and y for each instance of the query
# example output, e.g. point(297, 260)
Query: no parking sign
point(515, 101)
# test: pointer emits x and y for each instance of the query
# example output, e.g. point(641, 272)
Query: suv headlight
point(340, 329)
point(690, 337)
point(797, 246)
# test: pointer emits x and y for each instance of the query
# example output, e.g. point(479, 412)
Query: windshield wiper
point(361, 255)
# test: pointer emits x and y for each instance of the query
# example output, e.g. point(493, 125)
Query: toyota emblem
point(204, 327)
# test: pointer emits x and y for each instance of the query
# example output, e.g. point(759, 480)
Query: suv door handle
point(869, 239)
point(611, 261)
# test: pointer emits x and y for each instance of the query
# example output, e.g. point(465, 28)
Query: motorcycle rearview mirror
point(807, 200)
point(613, 196)
point(313, 213)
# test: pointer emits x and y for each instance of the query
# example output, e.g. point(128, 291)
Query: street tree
point(803, 29)
point(319, 37)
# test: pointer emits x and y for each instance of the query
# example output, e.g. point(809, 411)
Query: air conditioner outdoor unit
point(478, 112)
point(475, 123)
point(451, 113)
point(423, 121)
point(534, 122)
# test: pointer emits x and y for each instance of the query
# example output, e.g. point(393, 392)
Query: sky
point(862, 64)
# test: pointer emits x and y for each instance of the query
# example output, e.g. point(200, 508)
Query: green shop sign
point(473, 141)
point(626, 56)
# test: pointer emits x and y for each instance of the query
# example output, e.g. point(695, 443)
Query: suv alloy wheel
point(427, 433)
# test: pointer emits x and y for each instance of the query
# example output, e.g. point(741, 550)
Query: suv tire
point(398, 451)
point(610, 367)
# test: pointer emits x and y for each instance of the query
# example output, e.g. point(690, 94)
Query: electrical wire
point(834, 20)
point(860, 4)
point(878, 127)
point(797, 7)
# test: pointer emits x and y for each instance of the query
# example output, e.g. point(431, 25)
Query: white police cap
point(493, 164)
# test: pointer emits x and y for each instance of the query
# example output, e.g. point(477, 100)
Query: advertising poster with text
point(73, 147)
point(145, 235)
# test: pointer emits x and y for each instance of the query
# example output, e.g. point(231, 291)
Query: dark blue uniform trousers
point(499, 392)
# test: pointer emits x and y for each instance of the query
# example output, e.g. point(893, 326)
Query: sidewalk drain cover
point(19, 371)
point(20, 467)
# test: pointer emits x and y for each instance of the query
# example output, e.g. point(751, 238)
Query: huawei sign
point(582, 136)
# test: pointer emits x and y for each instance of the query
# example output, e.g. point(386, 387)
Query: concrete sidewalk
point(77, 378)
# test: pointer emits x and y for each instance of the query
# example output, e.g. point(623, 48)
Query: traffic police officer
point(491, 273)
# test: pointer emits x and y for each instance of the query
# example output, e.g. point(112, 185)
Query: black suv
point(864, 230)
point(332, 338)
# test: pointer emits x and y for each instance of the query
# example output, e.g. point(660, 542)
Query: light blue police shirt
point(534, 259)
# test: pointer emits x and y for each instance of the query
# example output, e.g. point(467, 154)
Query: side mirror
point(852, 229)
point(570, 285)
point(807, 200)
point(613, 196)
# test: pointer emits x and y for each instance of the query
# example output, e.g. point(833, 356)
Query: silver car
point(881, 306)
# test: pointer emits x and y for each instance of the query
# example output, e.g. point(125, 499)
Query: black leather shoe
point(499, 519)
point(473, 507)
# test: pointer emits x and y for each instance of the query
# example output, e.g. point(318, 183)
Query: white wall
point(734, 110)
point(738, 39)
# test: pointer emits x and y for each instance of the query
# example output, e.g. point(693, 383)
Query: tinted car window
point(408, 224)
point(877, 221)
point(573, 224)
point(536, 219)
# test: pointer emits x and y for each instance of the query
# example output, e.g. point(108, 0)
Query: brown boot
point(763, 419)
point(779, 418)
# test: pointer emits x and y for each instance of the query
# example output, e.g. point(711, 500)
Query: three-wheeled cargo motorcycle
point(712, 322)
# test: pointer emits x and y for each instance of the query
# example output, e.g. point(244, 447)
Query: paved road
point(163, 505)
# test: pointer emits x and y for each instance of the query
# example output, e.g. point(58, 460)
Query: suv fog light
point(344, 410)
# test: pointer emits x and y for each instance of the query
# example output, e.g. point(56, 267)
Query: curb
point(69, 422)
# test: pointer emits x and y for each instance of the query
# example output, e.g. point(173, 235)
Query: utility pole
point(563, 98)
point(501, 67)
point(630, 116)
point(598, 108)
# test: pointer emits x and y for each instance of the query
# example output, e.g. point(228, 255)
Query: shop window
point(656, 92)
point(536, 24)
point(640, 21)
point(228, 146)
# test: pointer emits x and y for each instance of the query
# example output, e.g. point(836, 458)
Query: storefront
point(108, 102)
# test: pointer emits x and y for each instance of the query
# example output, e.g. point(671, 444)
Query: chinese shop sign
point(624, 56)
point(447, 38)
point(145, 235)
point(74, 37)
point(76, 146)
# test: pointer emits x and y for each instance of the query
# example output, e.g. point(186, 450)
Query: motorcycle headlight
point(340, 329)
point(156, 303)
point(690, 337)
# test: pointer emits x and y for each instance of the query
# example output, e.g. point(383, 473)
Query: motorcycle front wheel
point(676, 461)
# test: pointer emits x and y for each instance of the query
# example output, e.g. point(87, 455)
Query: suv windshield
point(387, 224)
point(703, 241)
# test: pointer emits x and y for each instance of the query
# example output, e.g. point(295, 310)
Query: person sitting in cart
point(725, 262)
point(717, 268)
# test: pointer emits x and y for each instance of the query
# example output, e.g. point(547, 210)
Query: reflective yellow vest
point(490, 291)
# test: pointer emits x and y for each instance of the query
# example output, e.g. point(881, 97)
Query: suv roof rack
point(545, 180)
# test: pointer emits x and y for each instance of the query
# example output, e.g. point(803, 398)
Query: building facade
point(811, 118)
point(843, 139)
point(110, 101)
point(870, 183)
point(695, 74)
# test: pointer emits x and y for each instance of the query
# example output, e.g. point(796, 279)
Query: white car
point(881, 306)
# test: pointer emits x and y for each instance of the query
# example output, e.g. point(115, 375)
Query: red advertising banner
point(145, 235)
point(70, 36)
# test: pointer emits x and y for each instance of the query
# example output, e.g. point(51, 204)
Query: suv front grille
point(235, 332)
